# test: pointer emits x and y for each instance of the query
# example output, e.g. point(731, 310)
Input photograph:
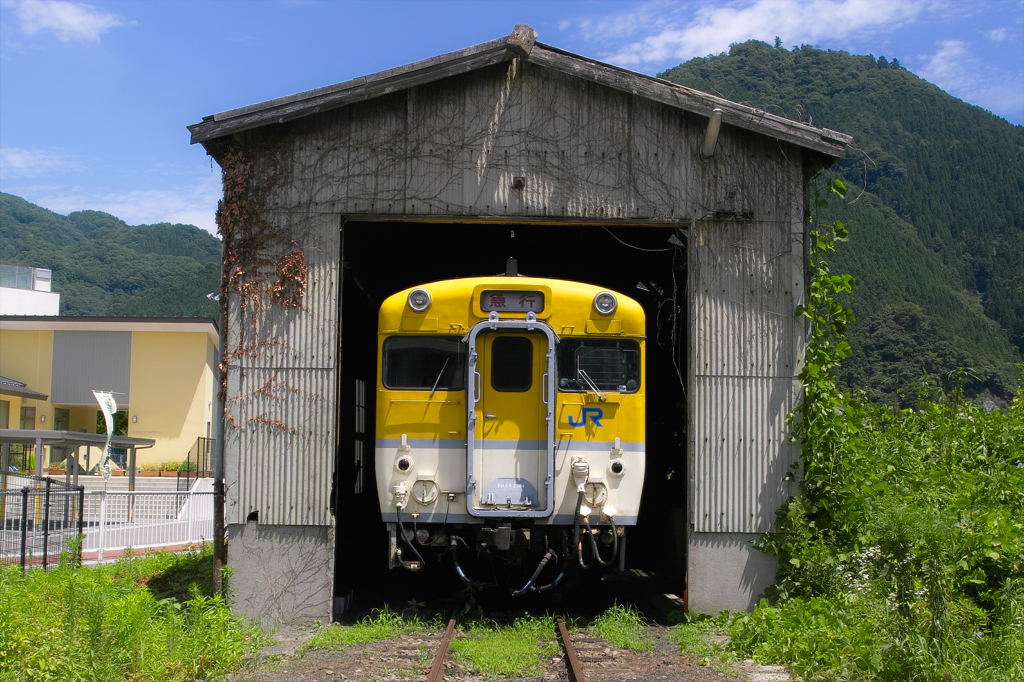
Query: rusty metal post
point(24, 525)
point(219, 548)
point(81, 519)
point(46, 526)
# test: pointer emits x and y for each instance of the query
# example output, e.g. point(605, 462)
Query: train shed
point(337, 197)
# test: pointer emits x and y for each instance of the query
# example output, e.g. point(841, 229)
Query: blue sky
point(94, 98)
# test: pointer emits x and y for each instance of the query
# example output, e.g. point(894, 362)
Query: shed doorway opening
point(646, 263)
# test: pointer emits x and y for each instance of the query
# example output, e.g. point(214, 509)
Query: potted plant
point(149, 470)
point(169, 468)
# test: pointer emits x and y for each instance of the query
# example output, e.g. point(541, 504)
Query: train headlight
point(404, 464)
point(617, 467)
point(419, 300)
point(605, 303)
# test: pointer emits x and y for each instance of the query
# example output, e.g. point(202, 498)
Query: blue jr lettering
point(595, 414)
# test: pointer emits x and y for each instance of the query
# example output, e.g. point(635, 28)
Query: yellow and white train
point(510, 425)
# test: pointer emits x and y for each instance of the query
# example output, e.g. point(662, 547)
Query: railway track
point(578, 650)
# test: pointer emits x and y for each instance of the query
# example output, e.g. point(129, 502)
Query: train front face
point(510, 426)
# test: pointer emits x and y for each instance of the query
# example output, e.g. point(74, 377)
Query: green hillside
point(102, 266)
point(936, 211)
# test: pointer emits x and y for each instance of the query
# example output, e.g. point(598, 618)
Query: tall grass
point(903, 557)
point(623, 627)
point(380, 624)
point(145, 618)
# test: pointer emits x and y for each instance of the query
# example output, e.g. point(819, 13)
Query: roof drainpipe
point(711, 136)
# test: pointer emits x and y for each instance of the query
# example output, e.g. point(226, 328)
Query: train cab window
point(607, 364)
point(512, 364)
point(424, 363)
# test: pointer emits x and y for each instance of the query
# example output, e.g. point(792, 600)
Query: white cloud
point(996, 34)
point(16, 162)
point(67, 20)
point(194, 204)
point(957, 71)
point(672, 36)
point(946, 68)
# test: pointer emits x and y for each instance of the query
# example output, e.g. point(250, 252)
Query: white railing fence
point(114, 521)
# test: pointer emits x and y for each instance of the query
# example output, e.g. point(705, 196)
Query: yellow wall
point(171, 392)
point(27, 356)
point(172, 388)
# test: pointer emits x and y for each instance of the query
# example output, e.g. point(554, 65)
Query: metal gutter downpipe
point(711, 136)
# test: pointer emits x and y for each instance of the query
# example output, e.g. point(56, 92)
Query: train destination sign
point(512, 301)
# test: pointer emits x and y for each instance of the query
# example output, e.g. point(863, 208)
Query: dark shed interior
point(646, 263)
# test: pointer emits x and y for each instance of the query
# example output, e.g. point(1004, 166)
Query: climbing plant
point(254, 275)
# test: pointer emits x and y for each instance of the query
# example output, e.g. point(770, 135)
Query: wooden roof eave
point(522, 42)
point(829, 142)
point(366, 87)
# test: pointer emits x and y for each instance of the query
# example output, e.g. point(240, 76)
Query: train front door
point(510, 465)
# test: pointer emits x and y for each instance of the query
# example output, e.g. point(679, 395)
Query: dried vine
point(251, 273)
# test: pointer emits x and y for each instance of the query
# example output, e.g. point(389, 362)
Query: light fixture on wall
point(711, 135)
point(42, 418)
point(135, 419)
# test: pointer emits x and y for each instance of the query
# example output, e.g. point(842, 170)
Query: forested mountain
point(935, 210)
point(102, 266)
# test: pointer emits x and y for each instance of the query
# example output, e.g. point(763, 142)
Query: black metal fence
point(198, 464)
point(21, 457)
point(40, 518)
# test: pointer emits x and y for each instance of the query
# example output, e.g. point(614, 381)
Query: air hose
point(401, 529)
point(563, 562)
point(455, 560)
point(615, 543)
point(528, 587)
point(577, 545)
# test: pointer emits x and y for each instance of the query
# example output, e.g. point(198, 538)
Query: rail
point(436, 673)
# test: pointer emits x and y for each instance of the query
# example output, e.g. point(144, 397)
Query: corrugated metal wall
point(279, 440)
point(85, 361)
point(745, 278)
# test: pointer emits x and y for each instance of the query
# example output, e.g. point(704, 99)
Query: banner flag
point(108, 406)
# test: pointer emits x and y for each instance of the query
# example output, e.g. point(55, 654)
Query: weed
point(902, 558)
point(516, 650)
point(623, 627)
point(105, 623)
point(380, 624)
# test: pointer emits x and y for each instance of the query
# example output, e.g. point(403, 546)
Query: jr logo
point(595, 414)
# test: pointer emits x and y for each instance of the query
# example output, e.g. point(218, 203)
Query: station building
point(162, 372)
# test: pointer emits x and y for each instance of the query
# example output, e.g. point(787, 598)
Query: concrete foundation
point(281, 574)
point(726, 572)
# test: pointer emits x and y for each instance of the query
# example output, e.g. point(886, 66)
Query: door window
point(512, 364)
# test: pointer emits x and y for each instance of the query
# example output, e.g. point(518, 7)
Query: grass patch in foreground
point(623, 627)
point(380, 624)
point(515, 650)
point(109, 623)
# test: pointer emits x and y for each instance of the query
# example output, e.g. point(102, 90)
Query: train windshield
point(607, 364)
point(425, 363)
